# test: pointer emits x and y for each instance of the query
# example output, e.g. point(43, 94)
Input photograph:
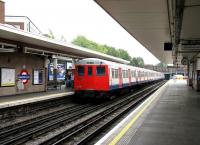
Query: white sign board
point(7, 77)
point(37, 77)
point(69, 65)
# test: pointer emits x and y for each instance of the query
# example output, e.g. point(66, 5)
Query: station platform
point(15, 100)
point(170, 116)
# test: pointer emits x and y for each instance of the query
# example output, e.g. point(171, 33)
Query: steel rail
point(59, 139)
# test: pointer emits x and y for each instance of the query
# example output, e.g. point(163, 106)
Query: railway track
point(26, 109)
point(20, 133)
point(95, 119)
point(88, 129)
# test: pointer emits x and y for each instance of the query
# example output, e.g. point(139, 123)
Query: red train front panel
point(91, 77)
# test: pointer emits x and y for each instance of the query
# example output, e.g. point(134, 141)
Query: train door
point(120, 78)
point(136, 75)
point(139, 76)
point(129, 76)
point(147, 76)
point(110, 76)
point(89, 76)
point(143, 76)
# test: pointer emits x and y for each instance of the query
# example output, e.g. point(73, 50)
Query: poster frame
point(14, 76)
point(34, 78)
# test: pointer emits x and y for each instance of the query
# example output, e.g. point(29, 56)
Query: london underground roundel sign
point(24, 76)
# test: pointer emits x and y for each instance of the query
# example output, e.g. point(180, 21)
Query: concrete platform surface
point(14, 100)
point(171, 116)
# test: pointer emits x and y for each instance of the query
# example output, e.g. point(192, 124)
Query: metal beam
point(179, 8)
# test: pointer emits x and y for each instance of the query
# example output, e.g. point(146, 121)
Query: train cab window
point(80, 70)
point(100, 70)
point(89, 71)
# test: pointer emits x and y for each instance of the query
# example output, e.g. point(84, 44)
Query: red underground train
point(100, 78)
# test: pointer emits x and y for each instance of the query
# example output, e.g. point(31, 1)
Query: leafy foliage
point(137, 61)
point(84, 42)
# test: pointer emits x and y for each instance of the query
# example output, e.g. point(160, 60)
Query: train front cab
point(91, 80)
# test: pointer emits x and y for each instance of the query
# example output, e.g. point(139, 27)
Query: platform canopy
point(38, 44)
point(155, 22)
point(146, 20)
point(187, 31)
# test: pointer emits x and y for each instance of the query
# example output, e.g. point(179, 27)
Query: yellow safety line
point(125, 129)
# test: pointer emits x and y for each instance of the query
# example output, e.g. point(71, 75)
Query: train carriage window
point(80, 70)
point(100, 70)
point(125, 74)
point(113, 73)
point(132, 73)
point(89, 71)
point(116, 73)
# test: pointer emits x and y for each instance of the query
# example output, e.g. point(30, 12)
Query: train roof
point(97, 61)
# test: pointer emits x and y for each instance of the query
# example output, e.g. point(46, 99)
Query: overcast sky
point(78, 17)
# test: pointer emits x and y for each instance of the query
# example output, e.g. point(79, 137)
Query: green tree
point(111, 51)
point(124, 54)
point(137, 61)
point(84, 42)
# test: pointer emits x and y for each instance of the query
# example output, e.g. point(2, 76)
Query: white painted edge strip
point(34, 99)
point(108, 135)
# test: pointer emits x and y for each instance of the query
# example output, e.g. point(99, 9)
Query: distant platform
point(170, 116)
point(15, 100)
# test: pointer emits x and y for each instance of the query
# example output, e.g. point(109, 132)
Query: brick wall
point(19, 24)
point(2, 12)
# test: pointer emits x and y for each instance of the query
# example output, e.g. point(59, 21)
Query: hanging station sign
point(24, 76)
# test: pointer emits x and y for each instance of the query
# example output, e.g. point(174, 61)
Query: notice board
point(7, 77)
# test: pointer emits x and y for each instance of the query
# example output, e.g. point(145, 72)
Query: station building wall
point(19, 62)
point(2, 12)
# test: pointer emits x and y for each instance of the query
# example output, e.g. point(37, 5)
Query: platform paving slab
point(14, 100)
point(173, 118)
